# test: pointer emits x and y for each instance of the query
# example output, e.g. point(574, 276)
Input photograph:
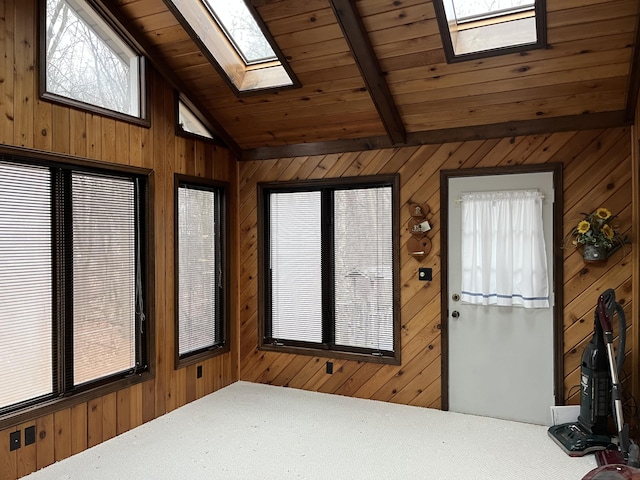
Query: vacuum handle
point(603, 316)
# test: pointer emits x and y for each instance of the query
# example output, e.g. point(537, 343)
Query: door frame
point(557, 270)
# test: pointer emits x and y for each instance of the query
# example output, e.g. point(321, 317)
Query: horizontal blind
point(25, 283)
point(103, 209)
point(197, 270)
point(296, 275)
point(363, 252)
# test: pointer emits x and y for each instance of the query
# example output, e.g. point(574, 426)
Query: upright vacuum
point(600, 390)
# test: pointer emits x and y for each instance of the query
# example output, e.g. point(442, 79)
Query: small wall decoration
point(597, 235)
point(419, 244)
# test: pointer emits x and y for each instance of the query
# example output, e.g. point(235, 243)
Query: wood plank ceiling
point(373, 74)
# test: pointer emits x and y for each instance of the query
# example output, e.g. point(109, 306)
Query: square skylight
point(481, 28)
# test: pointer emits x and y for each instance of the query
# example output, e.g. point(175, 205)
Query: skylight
point(231, 38)
point(242, 30)
point(481, 28)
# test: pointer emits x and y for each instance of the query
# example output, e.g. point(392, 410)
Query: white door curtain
point(503, 251)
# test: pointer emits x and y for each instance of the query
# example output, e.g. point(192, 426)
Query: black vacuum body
point(595, 385)
point(599, 387)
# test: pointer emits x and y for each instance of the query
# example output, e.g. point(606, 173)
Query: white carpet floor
point(249, 431)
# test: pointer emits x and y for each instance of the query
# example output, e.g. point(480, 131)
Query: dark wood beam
point(587, 121)
point(355, 33)
point(115, 15)
point(634, 76)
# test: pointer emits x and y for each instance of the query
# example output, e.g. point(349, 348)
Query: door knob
point(455, 314)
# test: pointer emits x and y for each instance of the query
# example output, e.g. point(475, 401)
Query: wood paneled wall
point(25, 121)
point(597, 172)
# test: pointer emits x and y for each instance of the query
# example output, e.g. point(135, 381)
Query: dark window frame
point(220, 189)
point(540, 16)
point(180, 130)
point(326, 348)
point(144, 117)
point(64, 394)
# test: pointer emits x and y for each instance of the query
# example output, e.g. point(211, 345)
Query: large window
point(201, 277)
point(85, 62)
point(71, 280)
point(329, 267)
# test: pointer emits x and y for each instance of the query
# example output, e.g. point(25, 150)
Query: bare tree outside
point(244, 32)
point(85, 60)
point(471, 8)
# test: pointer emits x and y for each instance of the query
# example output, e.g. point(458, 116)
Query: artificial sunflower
point(596, 229)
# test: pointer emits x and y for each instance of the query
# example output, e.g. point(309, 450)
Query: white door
point(500, 359)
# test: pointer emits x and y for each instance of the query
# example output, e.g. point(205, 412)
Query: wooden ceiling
point(374, 75)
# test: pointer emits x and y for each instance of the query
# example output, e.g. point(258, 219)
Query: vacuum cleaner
point(600, 390)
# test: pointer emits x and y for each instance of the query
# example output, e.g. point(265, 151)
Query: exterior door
point(501, 361)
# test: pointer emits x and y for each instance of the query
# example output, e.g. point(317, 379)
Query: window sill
point(319, 352)
point(200, 357)
point(47, 407)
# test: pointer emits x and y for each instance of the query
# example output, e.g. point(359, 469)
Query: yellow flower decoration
point(608, 231)
point(583, 226)
point(603, 213)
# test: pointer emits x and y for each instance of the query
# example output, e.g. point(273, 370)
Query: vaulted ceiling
point(373, 74)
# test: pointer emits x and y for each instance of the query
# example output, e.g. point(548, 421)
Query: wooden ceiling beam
point(355, 33)
point(634, 76)
point(587, 121)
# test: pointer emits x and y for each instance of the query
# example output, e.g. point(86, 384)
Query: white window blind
point(364, 268)
point(199, 270)
point(104, 275)
point(296, 268)
point(25, 283)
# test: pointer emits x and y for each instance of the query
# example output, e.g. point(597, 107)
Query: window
point(329, 262)
point(201, 276)
point(231, 37)
point(490, 27)
point(86, 63)
point(71, 280)
point(190, 124)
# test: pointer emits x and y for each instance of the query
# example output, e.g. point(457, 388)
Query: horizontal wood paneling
point(585, 69)
point(597, 172)
point(27, 121)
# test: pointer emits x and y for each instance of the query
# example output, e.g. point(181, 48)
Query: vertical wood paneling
point(30, 122)
point(62, 430)
point(79, 420)
point(26, 456)
point(8, 459)
point(418, 380)
point(45, 441)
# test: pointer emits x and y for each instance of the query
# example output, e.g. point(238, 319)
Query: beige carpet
point(250, 431)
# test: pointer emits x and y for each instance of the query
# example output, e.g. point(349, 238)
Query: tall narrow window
point(86, 61)
point(329, 256)
point(71, 280)
point(201, 283)
point(490, 27)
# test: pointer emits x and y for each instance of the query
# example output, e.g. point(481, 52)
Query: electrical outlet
point(29, 435)
point(199, 371)
point(329, 368)
point(425, 274)
point(14, 441)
